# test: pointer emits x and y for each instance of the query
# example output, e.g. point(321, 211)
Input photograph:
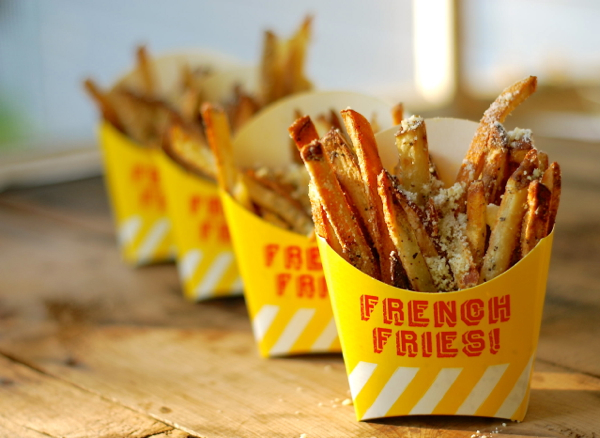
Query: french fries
point(425, 236)
point(369, 162)
point(413, 164)
point(141, 110)
point(331, 198)
point(505, 235)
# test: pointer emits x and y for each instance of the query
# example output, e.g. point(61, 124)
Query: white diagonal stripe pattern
point(326, 338)
point(237, 286)
point(482, 389)
point(440, 386)
point(359, 376)
point(263, 320)
point(213, 275)
point(189, 263)
point(393, 389)
point(292, 331)
point(129, 229)
point(516, 395)
point(154, 237)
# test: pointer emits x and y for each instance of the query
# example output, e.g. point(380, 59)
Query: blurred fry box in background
point(205, 259)
point(137, 199)
point(132, 173)
point(284, 284)
point(468, 352)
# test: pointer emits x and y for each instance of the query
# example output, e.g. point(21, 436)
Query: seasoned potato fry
point(542, 162)
point(146, 71)
point(495, 167)
point(303, 131)
point(403, 237)
point(508, 100)
point(413, 164)
point(109, 113)
point(369, 162)
point(219, 139)
point(505, 236)
point(476, 221)
point(552, 180)
point(354, 245)
point(322, 225)
point(535, 222)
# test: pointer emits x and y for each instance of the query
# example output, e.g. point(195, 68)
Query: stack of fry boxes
point(161, 210)
point(406, 353)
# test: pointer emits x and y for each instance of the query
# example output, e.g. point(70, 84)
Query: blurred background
point(440, 57)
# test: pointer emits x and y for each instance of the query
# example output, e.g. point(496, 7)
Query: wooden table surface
point(92, 348)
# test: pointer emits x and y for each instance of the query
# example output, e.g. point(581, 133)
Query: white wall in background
point(48, 46)
point(558, 40)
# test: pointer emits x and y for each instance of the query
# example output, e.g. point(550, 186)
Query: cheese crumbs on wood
point(504, 201)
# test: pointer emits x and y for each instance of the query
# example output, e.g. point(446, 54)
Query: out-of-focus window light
point(434, 45)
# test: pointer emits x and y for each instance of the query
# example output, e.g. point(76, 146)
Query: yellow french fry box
point(205, 259)
point(137, 198)
point(284, 285)
point(468, 352)
point(133, 178)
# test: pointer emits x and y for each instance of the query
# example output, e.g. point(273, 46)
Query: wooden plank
point(73, 289)
point(69, 275)
point(212, 383)
point(43, 405)
point(8, 429)
point(81, 203)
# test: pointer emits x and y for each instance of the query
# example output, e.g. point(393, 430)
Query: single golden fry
point(495, 167)
point(219, 139)
point(107, 109)
point(146, 71)
point(397, 113)
point(271, 82)
point(535, 222)
point(322, 225)
point(303, 131)
point(413, 151)
point(403, 237)
point(542, 162)
point(355, 248)
point(552, 179)
point(504, 104)
point(506, 232)
point(294, 79)
point(369, 162)
point(476, 221)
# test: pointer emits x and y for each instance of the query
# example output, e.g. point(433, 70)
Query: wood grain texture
point(44, 405)
point(70, 308)
point(212, 383)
